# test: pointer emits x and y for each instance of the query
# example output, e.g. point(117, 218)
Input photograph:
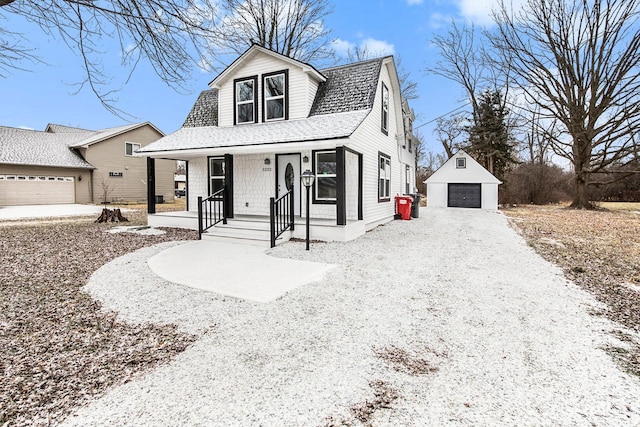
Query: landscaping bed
point(59, 348)
point(600, 251)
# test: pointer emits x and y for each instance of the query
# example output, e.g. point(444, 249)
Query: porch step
point(247, 230)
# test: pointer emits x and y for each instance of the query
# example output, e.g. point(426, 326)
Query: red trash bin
point(403, 206)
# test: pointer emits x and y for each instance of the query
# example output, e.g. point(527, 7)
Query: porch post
point(341, 191)
point(360, 187)
point(228, 181)
point(151, 185)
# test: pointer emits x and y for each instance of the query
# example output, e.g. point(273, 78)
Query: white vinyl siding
point(299, 84)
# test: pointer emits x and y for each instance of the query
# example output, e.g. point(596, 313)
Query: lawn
point(600, 251)
point(59, 349)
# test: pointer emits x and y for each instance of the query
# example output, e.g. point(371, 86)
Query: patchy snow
point(506, 339)
point(137, 229)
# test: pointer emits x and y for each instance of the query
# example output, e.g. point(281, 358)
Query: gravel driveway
point(449, 319)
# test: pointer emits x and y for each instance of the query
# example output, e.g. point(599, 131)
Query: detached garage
point(462, 183)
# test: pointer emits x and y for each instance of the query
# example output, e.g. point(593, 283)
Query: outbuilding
point(462, 182)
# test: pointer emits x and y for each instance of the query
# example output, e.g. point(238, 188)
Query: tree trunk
point(581, 161)
point(580, 197)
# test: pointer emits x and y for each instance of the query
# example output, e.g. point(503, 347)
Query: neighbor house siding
point(109, 156)
point(370, 141)
point(258, 65)
point(82, 186)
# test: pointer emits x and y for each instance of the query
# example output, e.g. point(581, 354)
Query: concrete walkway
point(236, 270)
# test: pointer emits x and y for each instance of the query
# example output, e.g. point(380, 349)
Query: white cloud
point(343, 47)
point(414, 2)
point(479, 11)
point(377, 47)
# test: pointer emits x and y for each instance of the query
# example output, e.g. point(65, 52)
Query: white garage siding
point(36, 190)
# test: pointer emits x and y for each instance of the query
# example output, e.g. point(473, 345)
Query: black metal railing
point(212, 210)
point(281, 215)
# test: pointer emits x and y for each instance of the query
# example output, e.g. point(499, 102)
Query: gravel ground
point(450, 319)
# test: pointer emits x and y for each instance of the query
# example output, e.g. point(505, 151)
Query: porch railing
point(212, 210)
point(281, 215)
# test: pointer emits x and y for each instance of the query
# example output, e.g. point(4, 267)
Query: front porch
point(255, 229)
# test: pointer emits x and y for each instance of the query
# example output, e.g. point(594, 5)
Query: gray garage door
point(464, 196)
point(36, 190)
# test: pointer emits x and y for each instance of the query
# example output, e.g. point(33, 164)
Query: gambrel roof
point(344, 98)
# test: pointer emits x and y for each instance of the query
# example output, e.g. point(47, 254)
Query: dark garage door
point(464, 196)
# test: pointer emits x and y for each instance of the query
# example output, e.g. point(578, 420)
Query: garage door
point(36, 190)
point(464, 196)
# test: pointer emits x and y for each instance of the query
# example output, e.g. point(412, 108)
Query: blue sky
point(32, 99)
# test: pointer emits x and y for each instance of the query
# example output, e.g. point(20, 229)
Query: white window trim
point(252, 101)
point(133, 148)
point(386, 196)
point(385, 110)
point(324, 175)
point(272, 98)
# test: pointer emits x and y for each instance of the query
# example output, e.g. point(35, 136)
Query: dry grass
point(599, 250)
point(59, 349)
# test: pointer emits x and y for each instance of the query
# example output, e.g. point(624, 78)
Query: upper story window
point(461, 163)
point(275, 87)
point(245, 100)
point(130, 148)
point(385, 110)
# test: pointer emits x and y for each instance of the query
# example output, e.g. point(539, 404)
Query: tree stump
point(111, 215)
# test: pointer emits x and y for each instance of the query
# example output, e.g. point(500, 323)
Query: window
point(410, 146)
point(408, 179)
point(216, 174)
point(325, 184)
point(461, 163)
point(385, 109)
point(384, 178)
point(130, 148)
point(245, 100)
point(274, 86)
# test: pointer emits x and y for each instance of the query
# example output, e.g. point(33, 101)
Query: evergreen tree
point(490, 141)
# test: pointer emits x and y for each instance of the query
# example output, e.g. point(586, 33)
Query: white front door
point(289, 175)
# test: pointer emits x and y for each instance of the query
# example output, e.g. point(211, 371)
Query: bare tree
point(169, 34)
point(294, 28)
point(461, 60)
point(174, 36)
point(578, 61)
point(449, 131)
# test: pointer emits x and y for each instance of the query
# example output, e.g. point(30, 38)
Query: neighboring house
point(180, 184)
point(267, 118)
point(462, 182)
point(71, 165)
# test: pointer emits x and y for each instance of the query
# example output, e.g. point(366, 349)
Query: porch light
point(305, 159)
point(267, 161)
point(307, 180)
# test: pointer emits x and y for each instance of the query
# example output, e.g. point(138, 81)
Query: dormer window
point(274, 86)
point(385, 110)
point(246, 100)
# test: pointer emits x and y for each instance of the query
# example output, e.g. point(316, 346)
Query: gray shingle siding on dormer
point(350, 87)
point(204, 111)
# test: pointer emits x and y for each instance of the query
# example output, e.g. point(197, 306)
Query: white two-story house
point(267, 119)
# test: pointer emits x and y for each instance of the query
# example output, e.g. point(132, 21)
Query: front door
point(288, 176)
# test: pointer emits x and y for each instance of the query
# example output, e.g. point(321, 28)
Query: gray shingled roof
point(204, 111)
point(321, 127)
point(31, 147)
point(349, 87)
